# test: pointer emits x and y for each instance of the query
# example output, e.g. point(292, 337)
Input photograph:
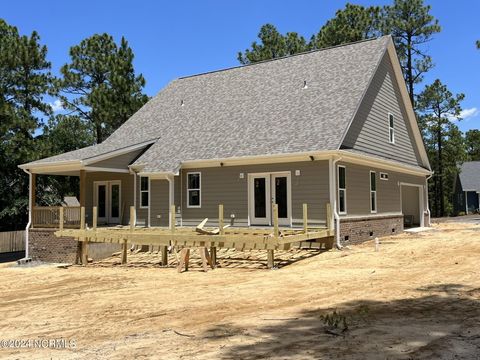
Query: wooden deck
point(268, 238)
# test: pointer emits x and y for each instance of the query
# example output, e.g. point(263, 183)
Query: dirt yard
point(417, 298)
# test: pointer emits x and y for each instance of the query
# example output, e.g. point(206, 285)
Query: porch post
point(33, 191)
point(83, 174)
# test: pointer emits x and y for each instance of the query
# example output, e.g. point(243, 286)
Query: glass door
point(108, 199)
point(260, 206)
point(280, 196)
point(115, 195)
point(101, 201)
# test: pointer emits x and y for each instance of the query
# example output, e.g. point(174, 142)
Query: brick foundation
point(43, 245)
point(357, 230)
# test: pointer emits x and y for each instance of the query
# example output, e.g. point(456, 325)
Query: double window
point(342, 190)
point(391, 128)
point(373, 191)
point(194, 199)
point(144, 192)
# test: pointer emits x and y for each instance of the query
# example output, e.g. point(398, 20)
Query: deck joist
point(240, 239)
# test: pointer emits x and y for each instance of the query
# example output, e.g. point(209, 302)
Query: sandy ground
point(417, 298)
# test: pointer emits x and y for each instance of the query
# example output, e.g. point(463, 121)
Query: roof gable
point(369, 130)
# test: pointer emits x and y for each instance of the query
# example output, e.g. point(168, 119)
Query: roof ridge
point(284, 57)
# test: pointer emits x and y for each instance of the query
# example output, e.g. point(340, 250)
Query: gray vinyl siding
point(142, 213)
point(388, 191)
point(119, 162)
point(126, 193)
point(369, 131)
point(159, 202)
point(223, 185)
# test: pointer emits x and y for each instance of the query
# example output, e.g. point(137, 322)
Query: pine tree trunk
point(410, 70)
point(440, 172)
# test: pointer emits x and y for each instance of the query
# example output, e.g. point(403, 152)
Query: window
point(193, 190)
point(383, 176)
point(373, 192)
point(144, 192)
point(391, 128)
point(342, 190)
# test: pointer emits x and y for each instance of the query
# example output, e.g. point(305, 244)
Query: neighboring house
point(467, 188)
point(328, 126)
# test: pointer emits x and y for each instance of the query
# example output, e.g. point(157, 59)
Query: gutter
point(333, 199)
point(30, 184)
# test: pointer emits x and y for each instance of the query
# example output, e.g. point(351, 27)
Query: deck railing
point(49, 216)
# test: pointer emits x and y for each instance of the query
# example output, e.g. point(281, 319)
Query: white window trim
point(391, 130)
point(199, 189)
point(384, 178)
point(142, 191)
point(373, 191)
point(344, 189)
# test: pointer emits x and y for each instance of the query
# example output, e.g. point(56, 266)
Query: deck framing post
point(61, 219)
point(276, 234)
point(84, 243)
point(305, 218)
point(94, 218)
point(270, 259)
point(329, 216)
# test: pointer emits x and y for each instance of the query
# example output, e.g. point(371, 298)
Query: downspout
point(30, 184)
point(333, 199)
point(426, 197)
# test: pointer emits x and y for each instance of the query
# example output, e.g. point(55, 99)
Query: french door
point(107, 200)
point(264, 191)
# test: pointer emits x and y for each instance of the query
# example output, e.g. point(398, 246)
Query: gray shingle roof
point(259, 109)
point(470, 176)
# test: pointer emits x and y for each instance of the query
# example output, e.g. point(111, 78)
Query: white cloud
point(466, 114)
point(469, 113)
point(56, 106)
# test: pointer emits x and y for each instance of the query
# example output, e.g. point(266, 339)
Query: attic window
point(305, 86)
point(391, 127)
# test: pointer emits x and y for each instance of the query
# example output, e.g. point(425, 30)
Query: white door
point(108, 201)
point(259, 201)
point(265, 190)
point(281, 197)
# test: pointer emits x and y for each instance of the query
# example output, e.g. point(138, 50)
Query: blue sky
point(178, 38)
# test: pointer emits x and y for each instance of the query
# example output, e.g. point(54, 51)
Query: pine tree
point(25, 79)
point(273, 45)
point(472, 141)
point(353, 23)
point(99, 85)
point(411, 25)
point(439, 108)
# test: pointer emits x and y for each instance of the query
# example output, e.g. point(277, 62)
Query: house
point(467, 188)
point(328, 126)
